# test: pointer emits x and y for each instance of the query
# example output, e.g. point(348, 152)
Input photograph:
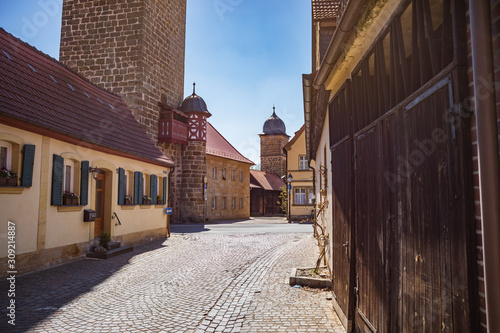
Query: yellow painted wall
point(21, 208)
point(228, 188)
point(67, 227)
point(301, 178)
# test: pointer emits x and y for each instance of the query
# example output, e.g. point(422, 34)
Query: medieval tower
point(136, 49)
point(272, 140)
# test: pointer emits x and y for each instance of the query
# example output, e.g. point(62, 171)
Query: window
point(214, 203)
point(68, 177)
point(223, 203)
point(5, 155)
point(241, 203)
point(224, 174)
point(214, 173)
point(241, 175)
point(303, 196)
point(303, 164)
point(233, 203)
point(233, 175)
point(299, 197)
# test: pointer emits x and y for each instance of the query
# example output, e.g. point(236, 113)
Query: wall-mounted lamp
point(95, 172)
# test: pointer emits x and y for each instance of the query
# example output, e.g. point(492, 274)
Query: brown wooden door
point(99, 204)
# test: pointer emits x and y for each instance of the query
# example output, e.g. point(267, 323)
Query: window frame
point(8, 149)
point(303, 162)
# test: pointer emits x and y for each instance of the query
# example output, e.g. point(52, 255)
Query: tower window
point(214, 173)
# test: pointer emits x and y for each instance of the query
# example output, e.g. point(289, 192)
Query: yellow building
point(68, 147)
point(228, 179)
point(302, 196)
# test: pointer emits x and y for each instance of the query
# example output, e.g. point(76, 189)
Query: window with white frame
point(5, 155)
point(303, 164)
point(300, 195)
point(214, 203)
point(214, 173)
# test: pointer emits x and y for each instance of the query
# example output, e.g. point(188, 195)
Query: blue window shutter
point(57, 180)
point(153, 188)
point(141, 187)
point(84, 183)
point(121, 186)
point(164, 190)
point(28, 161)
point(137, 187)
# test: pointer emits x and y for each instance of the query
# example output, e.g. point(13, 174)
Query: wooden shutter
point(57, 180)
point(164, 190)
point(137, 187)
point(121, 186)
point(28, 161)
point(153, 188)
point(84, 183)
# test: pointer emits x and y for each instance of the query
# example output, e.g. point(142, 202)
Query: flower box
point(12, 181)
point(128, 201)
point(146, 201)
point(70, 201)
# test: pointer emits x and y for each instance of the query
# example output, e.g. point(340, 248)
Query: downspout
point(488, 159)
point(307, 80)
point(348, 21)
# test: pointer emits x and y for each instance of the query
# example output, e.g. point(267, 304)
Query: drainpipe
point(348, 21)
point(307, 80)
point(488, 159)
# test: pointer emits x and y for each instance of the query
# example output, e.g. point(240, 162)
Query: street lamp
point(95, 172)
point(290, 179)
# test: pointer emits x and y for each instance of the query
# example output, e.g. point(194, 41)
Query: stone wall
point(272, 157)
point(132, 48)
point(194, 169)
point(175, 152)
point(227, 189)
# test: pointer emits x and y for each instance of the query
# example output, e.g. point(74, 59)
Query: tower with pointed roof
point(272, 140)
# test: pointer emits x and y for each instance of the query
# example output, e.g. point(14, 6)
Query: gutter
point(488, 151)
point(352, 15)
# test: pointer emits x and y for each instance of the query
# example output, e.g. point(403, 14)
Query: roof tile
point(217, 145)
point(56, 98)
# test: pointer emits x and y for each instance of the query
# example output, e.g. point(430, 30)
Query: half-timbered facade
point(390, 125)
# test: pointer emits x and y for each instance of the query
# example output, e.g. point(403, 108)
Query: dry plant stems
point(321, 237)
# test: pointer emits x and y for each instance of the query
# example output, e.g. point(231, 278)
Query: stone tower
point(194, 161)
point(134, 48)
point(272, 140)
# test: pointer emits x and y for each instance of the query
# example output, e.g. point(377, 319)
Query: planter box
point(159, 202)
point(128, 202)
point(146, 202)
point(311, 282)
point(70, 201)
point(12, 181)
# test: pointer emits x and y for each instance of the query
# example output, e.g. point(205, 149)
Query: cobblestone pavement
point(188, 283)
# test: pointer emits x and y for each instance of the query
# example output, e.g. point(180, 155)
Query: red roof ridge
point(57, 62)
point(225, 153)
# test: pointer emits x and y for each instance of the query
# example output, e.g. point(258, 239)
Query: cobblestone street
point(191, 282)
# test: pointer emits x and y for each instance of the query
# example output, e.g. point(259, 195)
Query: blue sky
point(244, 55)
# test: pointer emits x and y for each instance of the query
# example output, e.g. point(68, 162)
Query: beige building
point(302, 198)
point(228, 179)
point(68, 147)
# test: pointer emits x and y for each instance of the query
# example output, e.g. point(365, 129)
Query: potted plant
point(8, 177)
point(70, 198)
point(159, 200)
point(128, 200)
point(146, 200)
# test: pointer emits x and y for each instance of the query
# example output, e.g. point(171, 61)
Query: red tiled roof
point(295, 137)
point(265, 180)
point(40, 91)
point(218, 146)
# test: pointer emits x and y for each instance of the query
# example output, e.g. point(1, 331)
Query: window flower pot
point(146, 202)
point(3, 181)
point(70, 201)
point(128, 201)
